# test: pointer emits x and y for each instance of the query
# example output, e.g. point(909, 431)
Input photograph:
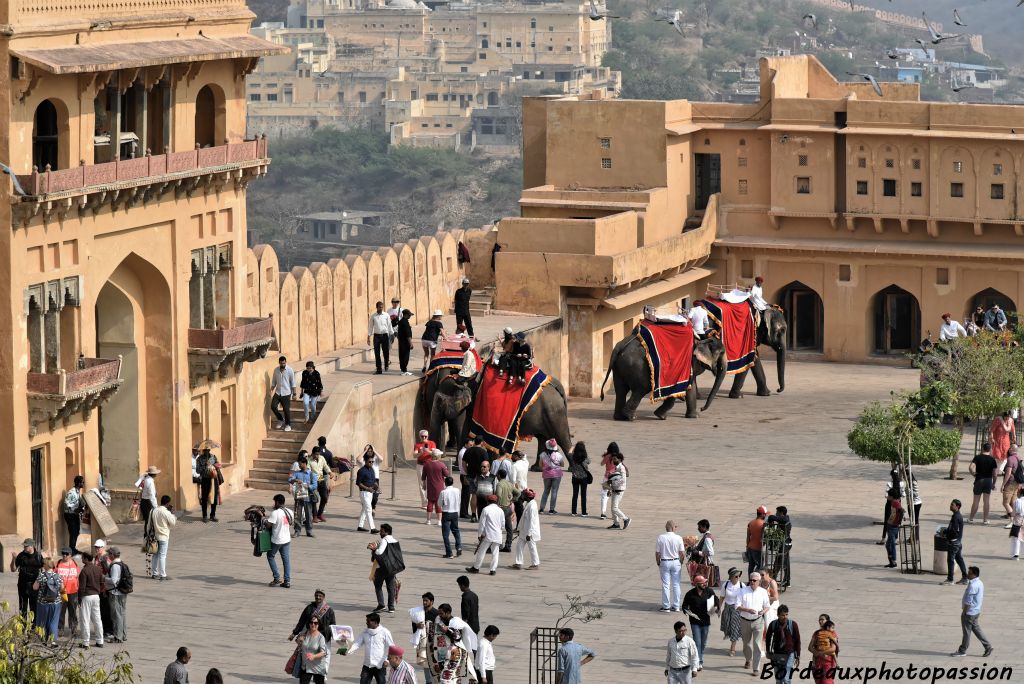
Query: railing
point(38, 9)
point(244, 331)
point(93, 373)
point(65, 180)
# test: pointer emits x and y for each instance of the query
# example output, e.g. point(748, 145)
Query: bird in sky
point(597, 15)
point(870, 79)
point(938, 37)
point(673, 17)
point(813, 20)
point(956, 18)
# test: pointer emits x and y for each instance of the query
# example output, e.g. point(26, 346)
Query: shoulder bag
point(391, 561)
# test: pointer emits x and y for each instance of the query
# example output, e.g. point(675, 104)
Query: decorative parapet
point(56, 397)
point(214, 353)
point(131, 181)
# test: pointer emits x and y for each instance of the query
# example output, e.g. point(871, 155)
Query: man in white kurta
point(529, 532)
point(492, 525)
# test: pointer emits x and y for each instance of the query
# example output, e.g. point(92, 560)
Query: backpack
point(126, 583)
point(1018, 473)
point(51, 588)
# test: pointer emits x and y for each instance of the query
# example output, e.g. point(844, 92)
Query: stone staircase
point(273, 462)
point(481, 301)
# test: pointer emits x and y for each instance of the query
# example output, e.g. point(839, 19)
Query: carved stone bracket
point(56, 409)
point(211, 364)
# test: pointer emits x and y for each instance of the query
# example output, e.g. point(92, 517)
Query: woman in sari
point(730, 624)
point(824, 648)
point(1001, 435)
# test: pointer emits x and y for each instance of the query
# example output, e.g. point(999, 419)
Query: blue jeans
point(955, 554)
point(700, 637)
point(160, 560)
point(286, 558)
point(48, 617)
point(890, 542)
point(309, 406)
point(783, 665)
point(450, 524)
point(551, 485)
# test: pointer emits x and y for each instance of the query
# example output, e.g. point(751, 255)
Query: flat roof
point(339, 215)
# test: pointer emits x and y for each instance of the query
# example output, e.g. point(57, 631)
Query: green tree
point(884, 432)
point(26, 659)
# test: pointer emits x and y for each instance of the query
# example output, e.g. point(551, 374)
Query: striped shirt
point(403, 674)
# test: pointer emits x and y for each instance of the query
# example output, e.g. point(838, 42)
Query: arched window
point(804, 316)
point(492, 99)
point(484, 43)
point(533, 22)
point(45, 136)
point(210, 116)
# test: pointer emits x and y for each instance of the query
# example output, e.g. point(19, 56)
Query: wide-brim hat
point(152, 470)
point(438, 313)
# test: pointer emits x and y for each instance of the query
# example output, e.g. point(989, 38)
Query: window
point(568, 48)
point(958, 167)
point(519, 44)
point(915, 189)
point(741, 161)
point(362, 97)
point(862, 162)
point(606, 143)
point(803, 185)
point(447, 125)
point(889, 187)
point(484, 44)
point(255, 97)
point(424, 125)
point(743, 142)
point(431, 97)
point(801, 160)
point(485, 24)
point(890, 163)
point(551, 48)
point(746, 268)
point(844, 273)
point(437, 125)
point(997, 191)
point(508, 42)
point(942, 276)
point(956, 189)
point(915, 164)
point(271, 97)
point(533, 22)
point(862, 187)
point(606, 163)
point(742, 187)
point(997, 169)
point(482, 55)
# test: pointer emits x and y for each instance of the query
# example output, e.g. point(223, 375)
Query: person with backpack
point(387, 553)
point(50, 588)
point(280, 524)
point(74, 506)
point(120, 583)
point(1013, 478)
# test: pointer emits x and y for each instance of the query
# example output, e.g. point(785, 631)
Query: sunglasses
point(314, 622)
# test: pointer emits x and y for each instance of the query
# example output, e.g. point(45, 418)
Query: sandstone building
point(867, 216)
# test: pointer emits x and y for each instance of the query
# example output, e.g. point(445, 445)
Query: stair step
point(277, 455)
point(265, 484)
point(278, 475)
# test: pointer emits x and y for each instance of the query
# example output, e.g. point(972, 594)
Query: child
point(485, 655)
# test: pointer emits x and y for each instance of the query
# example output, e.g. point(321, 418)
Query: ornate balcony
point(128, 182)
point(56, 397)
point(213, 353)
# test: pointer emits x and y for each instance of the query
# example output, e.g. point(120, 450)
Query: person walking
point(90, 585)
point(448, 502)
point(529, 532)
point(485, 486)
point(434, 474)
point(320, 610)
point(403, 331)
point(304, 486)
point(698, 603)
point(682, 662)
point(471, 466)
point(470, 605)
point(702, 554)
point(177, 672)
point(572, 657)
point(48, 587)
point(147, 497)
point(366, 482)
point(506, 493)
point(28, 564)
point(209, 483)
point(118, 588)
point(824, 647)
point(492, 522)
point(668, 555)
point(755, 539)
point(68, 570)
point(433, 334)
point(1002, 433)
point(752, 605)
point(551, 461)
point(311, 386)
point(730, 623)
point(955, 538)
point(616, 483)
point(581, 477)
point(74, 506)
point(321, 468)
point(783, 646)
point(485, 660)
point(983, 467)
point(401, 671)
point(283, 387)
point(280, 524)
point(1010, 485)
point(892, 526)
point(314, 655)
point(379, 334)
point(384, 574)
point(609, 468)
point(213, 676)
point(1017, 524)
point(376, 640)
point(970, 613)
point(519, 478)
point(162, 520)
point(461, 306)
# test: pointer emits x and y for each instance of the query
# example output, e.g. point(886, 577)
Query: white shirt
point(669, 546)
point(492, 523)
point(756, 599)
point(731, 592)
point(756, 296)
point(162, 520)
point(448, 500)
point(485, 656)
point(284, 381)
point(699, 319)
point(395, 312)
point(948, 331)
point(618, 483)
point(149, 489)
point(520, 471)
point(529, 526)
point(380, 324)
point(383, 544)
point(280, 525)
point(376, 642)
point(469, 638)
point(681, 654)
point(468, 369)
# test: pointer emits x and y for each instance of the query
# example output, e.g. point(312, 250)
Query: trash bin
point(941, 547)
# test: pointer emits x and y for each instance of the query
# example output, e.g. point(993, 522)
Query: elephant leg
point(662, 411)
point(632, 403)
point(737, 386)
point(691, 402)
point(762, 382)
point(621, 395)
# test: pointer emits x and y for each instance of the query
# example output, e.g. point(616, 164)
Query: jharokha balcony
point(56, 397)
point(128, 182)
point(215, 352)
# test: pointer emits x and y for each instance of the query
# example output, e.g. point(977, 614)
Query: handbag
point(391, 561)
point(150, 546)
point(263, 543)
point(289, 667)
point(134, 514)
point(589, 478)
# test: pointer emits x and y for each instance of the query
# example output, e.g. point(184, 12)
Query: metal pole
point(394, 475)
point(351, 477)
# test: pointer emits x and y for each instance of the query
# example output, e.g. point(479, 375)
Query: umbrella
point(207, 444)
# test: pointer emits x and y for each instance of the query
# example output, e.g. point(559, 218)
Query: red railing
point(65, 180)
point(94, 373)
point(245, 330)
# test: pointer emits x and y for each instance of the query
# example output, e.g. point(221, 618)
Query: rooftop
point(340, 215)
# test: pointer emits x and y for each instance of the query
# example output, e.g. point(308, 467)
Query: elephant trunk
point(719, 377)
point(780, 365)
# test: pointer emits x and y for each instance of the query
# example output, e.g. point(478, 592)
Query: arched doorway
point(133, 321)
point(45, 136)
point(897, 321)
point(197, 428)
point(989, 296)
point(805, 316)
point(209, 124)
point(226, 452)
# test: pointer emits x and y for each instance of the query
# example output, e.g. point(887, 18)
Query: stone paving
point(787, 449)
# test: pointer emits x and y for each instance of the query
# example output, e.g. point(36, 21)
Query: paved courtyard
point(787, 449)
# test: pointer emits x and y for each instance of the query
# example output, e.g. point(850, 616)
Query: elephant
point(547, 418)
point(454, 425)
point(772, 332)
point(633, 377)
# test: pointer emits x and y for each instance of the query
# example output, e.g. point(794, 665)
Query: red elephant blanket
point(669, 348)
point(499, 407)
point(735, 322)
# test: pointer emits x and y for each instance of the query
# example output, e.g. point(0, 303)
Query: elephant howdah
point(735, 324)
point(500, 406)
point(669, 348)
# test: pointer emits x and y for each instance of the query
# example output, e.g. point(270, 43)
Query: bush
point(875, 436)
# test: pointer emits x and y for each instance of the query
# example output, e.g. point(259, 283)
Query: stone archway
point(897, 321)
point(989, 296)
point(805, 317)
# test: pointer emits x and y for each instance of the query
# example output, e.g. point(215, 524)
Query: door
point(805, 331)
point(37, 495)
point(900, 322)
point(707, 177)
